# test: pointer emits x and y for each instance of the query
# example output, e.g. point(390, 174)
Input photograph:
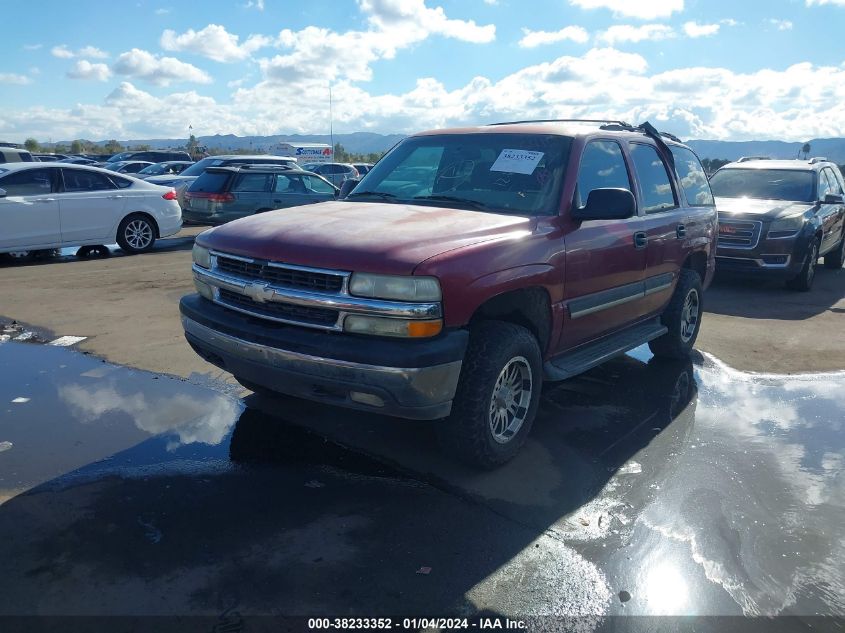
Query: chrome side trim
point(342, 303)
point(576, 314)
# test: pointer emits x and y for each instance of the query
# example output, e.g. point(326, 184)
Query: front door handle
point(681, 231)
point(640, 240)
point(115, 197)
point(45, 200)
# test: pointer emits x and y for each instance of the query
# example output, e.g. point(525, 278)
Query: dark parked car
point(336, 173)
point(168, 167)
point(127, 166)
point(80, 160)
point(777, 217)
point(151, 156)
point(222, 194)
point(50, 158)
point(15, 155)
point(190, 174)
point(466, 268)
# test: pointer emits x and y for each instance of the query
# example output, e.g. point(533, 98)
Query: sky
point(714, 69)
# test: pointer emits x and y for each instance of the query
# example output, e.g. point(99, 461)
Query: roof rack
point(623, 123)
point(745, 159)
point(818, 159)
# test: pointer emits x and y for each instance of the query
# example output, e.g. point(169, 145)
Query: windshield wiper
point(374, 194)
point(475, 204)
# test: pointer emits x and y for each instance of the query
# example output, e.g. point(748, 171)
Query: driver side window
point(602, 166)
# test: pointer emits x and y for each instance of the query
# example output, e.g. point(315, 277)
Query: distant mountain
point(831, 148)
point(366, 142)
point(356, 142)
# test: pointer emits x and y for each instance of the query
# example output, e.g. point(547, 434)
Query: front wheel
point(497, 397)
point(803, 281)
point(682, 317)
point(136, 234)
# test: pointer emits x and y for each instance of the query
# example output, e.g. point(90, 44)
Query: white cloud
point(641, 9)
point(83, 69)
point(63, 52)
point(694, 29)
point(14, 78)
point(214, 42)
point(840, 3)
point(32, 47)
point(162, 11)
point(530, 38)
point(781, 25)
point(627, 33)
point(255, 4)
point(413, 17)
point(157, 70)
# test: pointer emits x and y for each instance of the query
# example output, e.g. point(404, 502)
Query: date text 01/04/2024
point(386, 624)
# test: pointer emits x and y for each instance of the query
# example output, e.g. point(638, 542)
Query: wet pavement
point(646, 488)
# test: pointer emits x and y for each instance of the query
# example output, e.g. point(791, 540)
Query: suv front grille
point(274, 310)
point(280, 275)
point(739, 233)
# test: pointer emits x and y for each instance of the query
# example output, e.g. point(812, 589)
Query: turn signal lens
point(381, 326)
point(421, 329)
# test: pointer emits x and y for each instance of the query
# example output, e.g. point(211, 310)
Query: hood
point(759, 209)
point(375, 237)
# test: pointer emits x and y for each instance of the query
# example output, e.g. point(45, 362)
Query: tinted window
point(602, 166)
point(825, 186)
point(252, 182)
point(764, 184)
point(318, 185)
point(26, 157)
point(133, 168)
point(83, 180)
point(692, 177)
point(292, 184)
point(123, 183)
point(30, 182)
point(504, 173)
point(210, 182)
point(654, 178)
point(197, 168)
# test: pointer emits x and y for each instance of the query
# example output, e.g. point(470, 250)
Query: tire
point(136, 234)
point(835, 258)
point(489, 422)
point(683, 318)
point(803, 281)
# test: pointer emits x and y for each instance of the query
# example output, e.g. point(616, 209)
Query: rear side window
point(30, 182)
point(318, 185)
point(83, 180)
point(252, 182)
point(26, 157)
point(835, 185)
point(210, 182)
point(122, 183)
point(654, 179)
point(825, 186)
point(602, 167)
point(692, 177)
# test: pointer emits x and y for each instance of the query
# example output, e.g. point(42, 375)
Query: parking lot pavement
point(127, 307)
point(647, 488)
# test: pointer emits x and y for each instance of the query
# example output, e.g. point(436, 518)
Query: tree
point(31, 145)
point(76, 147)
point(806, 150)
point(113, 147)
point(192, 146)
point(59, 148)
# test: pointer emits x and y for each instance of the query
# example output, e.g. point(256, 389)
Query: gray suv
point(777, 217)
point(222, 194)
point(336, 173)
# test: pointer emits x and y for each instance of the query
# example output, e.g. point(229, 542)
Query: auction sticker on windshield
point(517, 161)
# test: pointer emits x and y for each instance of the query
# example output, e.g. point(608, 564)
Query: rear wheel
point(136, 234)
point(835, 258)
point(497, 397)
point(803, 281)
point(682, 317)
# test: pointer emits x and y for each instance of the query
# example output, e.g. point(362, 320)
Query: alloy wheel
point(511, 399)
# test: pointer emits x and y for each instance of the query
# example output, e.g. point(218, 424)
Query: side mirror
point(607, 204)
point(2, 193)
point(834, 198)
point(347, 186)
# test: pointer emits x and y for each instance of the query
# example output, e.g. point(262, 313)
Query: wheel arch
point(697, 262)
point(529, 307)
point(147, 215)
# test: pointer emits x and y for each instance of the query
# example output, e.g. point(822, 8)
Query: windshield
point(764, 184)
point(519, 174)
point(197, 168)
point(153, 170)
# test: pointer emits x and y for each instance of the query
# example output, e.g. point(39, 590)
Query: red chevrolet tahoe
point(469, 266)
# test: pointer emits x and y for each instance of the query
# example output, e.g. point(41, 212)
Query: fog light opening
point(366, 398)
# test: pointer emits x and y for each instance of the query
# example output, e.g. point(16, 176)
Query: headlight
point(201, 256)
point(395, 287)
point(380, 326)
point(787, 225)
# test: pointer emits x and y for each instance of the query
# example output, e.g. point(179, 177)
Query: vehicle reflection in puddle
point(647, 488)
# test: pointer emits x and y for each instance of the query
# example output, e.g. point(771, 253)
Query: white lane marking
point(67, 341)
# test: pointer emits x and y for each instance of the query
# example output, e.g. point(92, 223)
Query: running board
point(592, 354)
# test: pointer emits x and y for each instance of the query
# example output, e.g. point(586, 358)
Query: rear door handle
point(45, 200)
point(640, 240)
point(681, 231)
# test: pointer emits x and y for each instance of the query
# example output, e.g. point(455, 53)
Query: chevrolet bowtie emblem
point(258, 292)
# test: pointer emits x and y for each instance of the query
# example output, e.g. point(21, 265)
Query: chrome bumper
point(417, 393)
